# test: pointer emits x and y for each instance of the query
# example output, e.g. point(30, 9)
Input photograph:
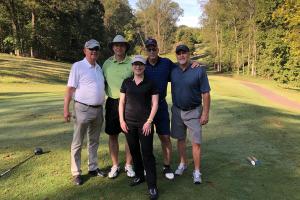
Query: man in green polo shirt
point(115, 70)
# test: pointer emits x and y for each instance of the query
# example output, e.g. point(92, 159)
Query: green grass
point(241, 124)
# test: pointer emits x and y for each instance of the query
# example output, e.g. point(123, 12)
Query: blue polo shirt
point(187, 87)
point(160, 75)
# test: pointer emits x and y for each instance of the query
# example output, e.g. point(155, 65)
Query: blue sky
point(191, 13)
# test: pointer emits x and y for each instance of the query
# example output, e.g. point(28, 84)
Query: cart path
point(273, 96)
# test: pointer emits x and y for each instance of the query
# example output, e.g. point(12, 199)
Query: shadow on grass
point(18, 94)
point(236, 130)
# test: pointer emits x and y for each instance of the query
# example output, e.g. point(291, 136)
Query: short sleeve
point(154, 89)
point(123, 87)
point(204, 84)
point(73, 77)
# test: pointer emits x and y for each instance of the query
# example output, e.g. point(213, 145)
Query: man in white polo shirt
point(86, 87)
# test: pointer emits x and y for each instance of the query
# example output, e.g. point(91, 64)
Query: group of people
point(136, 105)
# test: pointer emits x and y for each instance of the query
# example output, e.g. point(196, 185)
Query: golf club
point(37, 151)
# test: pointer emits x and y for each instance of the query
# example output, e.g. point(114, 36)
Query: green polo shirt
point(114, 73)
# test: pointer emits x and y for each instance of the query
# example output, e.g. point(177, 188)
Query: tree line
point(55, 29)
point(254, 37)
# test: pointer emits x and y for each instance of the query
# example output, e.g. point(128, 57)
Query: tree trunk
point(32, 32)
point(243, 62)
point(237, 51)
point(217, 46)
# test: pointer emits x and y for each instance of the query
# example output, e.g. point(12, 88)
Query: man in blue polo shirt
point(190, 110)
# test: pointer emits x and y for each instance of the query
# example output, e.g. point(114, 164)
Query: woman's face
point(138, 68)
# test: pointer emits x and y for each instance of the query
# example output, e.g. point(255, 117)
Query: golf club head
point(38, 151)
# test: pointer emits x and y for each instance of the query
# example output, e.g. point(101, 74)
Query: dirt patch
point(273, 96)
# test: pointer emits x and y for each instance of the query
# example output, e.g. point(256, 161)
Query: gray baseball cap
point(138, 58)
point(92, 43)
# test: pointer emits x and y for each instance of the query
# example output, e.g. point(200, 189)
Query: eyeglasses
point(136, 64)
point(94, 49)
point(151, 49)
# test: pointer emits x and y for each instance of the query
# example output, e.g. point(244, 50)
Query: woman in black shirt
point(137, 108)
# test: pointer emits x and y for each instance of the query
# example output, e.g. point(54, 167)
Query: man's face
point(183, 57)
point(92, 53)
point(138, 68)
point(119, 49)
point(152, 51)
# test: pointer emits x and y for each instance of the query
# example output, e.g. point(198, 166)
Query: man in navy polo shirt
point(158, 70)
point(190, 110)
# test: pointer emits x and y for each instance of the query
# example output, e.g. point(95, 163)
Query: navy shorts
point(162, 120)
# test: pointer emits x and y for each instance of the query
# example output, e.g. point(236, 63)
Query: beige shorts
point(183, 120)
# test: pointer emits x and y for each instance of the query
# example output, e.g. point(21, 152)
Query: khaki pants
point(88, 121)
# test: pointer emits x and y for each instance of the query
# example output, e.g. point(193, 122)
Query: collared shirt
point(88, 81)
point(160, 75)
point(138, 99)
point(188, 85)
point(114, 73)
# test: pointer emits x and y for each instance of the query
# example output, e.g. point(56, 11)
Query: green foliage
point(260, 36)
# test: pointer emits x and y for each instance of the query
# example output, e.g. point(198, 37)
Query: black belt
point(188, 108)
point(92, 106)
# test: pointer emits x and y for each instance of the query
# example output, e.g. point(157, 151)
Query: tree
point(158, 19)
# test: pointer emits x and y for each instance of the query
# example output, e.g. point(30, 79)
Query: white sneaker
point(181, 168)
point(114, 171)
point(197, 177)
point(129, 171)
point(167, 171)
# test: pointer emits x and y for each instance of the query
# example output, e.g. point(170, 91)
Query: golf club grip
point(5, 172)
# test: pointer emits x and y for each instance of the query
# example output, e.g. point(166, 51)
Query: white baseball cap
point(138, 58)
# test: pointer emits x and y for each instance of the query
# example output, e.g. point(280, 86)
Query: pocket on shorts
point(191, 114)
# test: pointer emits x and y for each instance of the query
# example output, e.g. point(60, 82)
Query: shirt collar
point(89, 64)
point(149, 64)
point(126, 60)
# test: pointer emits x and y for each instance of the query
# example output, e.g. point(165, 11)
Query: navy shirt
point(160, 75)
point(187, 87)
point(138, 100)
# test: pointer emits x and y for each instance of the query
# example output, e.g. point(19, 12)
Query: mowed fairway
point(242, 123)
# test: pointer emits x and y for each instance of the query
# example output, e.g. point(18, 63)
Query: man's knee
point(113, 138)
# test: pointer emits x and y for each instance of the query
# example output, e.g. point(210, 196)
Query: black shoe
point(153, 193)
point(97, 172)
point(77, 180)
point(137, 181)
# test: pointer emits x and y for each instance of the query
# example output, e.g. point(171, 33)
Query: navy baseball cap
point(151, 42)
point(183, 48)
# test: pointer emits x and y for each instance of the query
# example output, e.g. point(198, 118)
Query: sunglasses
point(94, 49)
point(181, 52)
point(151, 49)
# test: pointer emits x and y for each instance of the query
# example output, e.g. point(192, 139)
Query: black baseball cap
point(150, 42)
point(183, 48)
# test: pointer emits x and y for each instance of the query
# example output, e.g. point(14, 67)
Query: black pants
point(141, 149)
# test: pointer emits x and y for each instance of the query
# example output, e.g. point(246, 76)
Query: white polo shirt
point(88, 81)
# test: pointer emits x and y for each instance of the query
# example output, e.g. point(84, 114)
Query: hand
point(124, 126)
point(67, 116)
point(195, 64)
point(147, 128)
point(203, 119)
